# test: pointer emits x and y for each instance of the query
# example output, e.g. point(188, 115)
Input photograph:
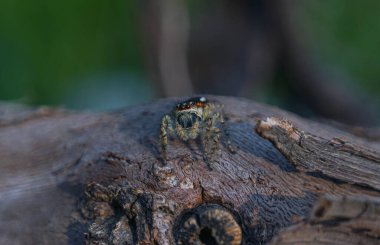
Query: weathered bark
point(343, 220)
point(98, 178)
point(334, 157)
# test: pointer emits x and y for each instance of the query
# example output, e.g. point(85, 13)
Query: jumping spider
point(193, 118)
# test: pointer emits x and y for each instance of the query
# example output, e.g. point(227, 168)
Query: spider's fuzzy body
point(193, 118)
point(189, 116)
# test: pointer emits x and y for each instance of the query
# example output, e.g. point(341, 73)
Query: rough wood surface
point(97, 178)
point(336, 158)
point(337, 220)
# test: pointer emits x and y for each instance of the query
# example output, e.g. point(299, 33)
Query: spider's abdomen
point(187, 120)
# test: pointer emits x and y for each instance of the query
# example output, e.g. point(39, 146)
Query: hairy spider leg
point(206, 137)
point(166, 128)
point(207, 128)
point(215, 139)
point(226, 134)
point(211, 138)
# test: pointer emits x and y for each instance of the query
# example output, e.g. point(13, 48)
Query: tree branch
point(74, 178)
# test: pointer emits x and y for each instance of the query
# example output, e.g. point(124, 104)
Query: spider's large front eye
point(187, 120)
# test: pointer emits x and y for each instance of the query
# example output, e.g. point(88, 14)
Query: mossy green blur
point(46, 45)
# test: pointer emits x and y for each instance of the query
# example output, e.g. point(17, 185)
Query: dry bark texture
point(97, 178)
point(337, 158)
point(337, 220)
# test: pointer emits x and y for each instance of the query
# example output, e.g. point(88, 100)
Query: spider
point(193, 118)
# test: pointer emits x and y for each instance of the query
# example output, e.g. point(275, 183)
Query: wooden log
point(337, 220)
point(98, 178)
point(335, 157)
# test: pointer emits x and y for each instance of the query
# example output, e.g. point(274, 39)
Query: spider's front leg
point(167, 129)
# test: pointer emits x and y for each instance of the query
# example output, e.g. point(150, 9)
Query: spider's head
point(190, 111)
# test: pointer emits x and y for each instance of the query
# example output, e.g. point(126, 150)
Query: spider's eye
point(187, 120)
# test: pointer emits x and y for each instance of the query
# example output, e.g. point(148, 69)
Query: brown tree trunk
point(98, 178)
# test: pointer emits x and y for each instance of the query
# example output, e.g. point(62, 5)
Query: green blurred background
point(347, 36)
point(84, 54)
point(63, 52)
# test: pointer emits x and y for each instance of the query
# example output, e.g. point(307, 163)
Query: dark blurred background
point(317, 58)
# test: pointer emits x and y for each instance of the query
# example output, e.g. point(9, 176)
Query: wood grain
point(97, 178)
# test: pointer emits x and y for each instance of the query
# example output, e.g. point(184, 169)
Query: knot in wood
point(209, 224)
